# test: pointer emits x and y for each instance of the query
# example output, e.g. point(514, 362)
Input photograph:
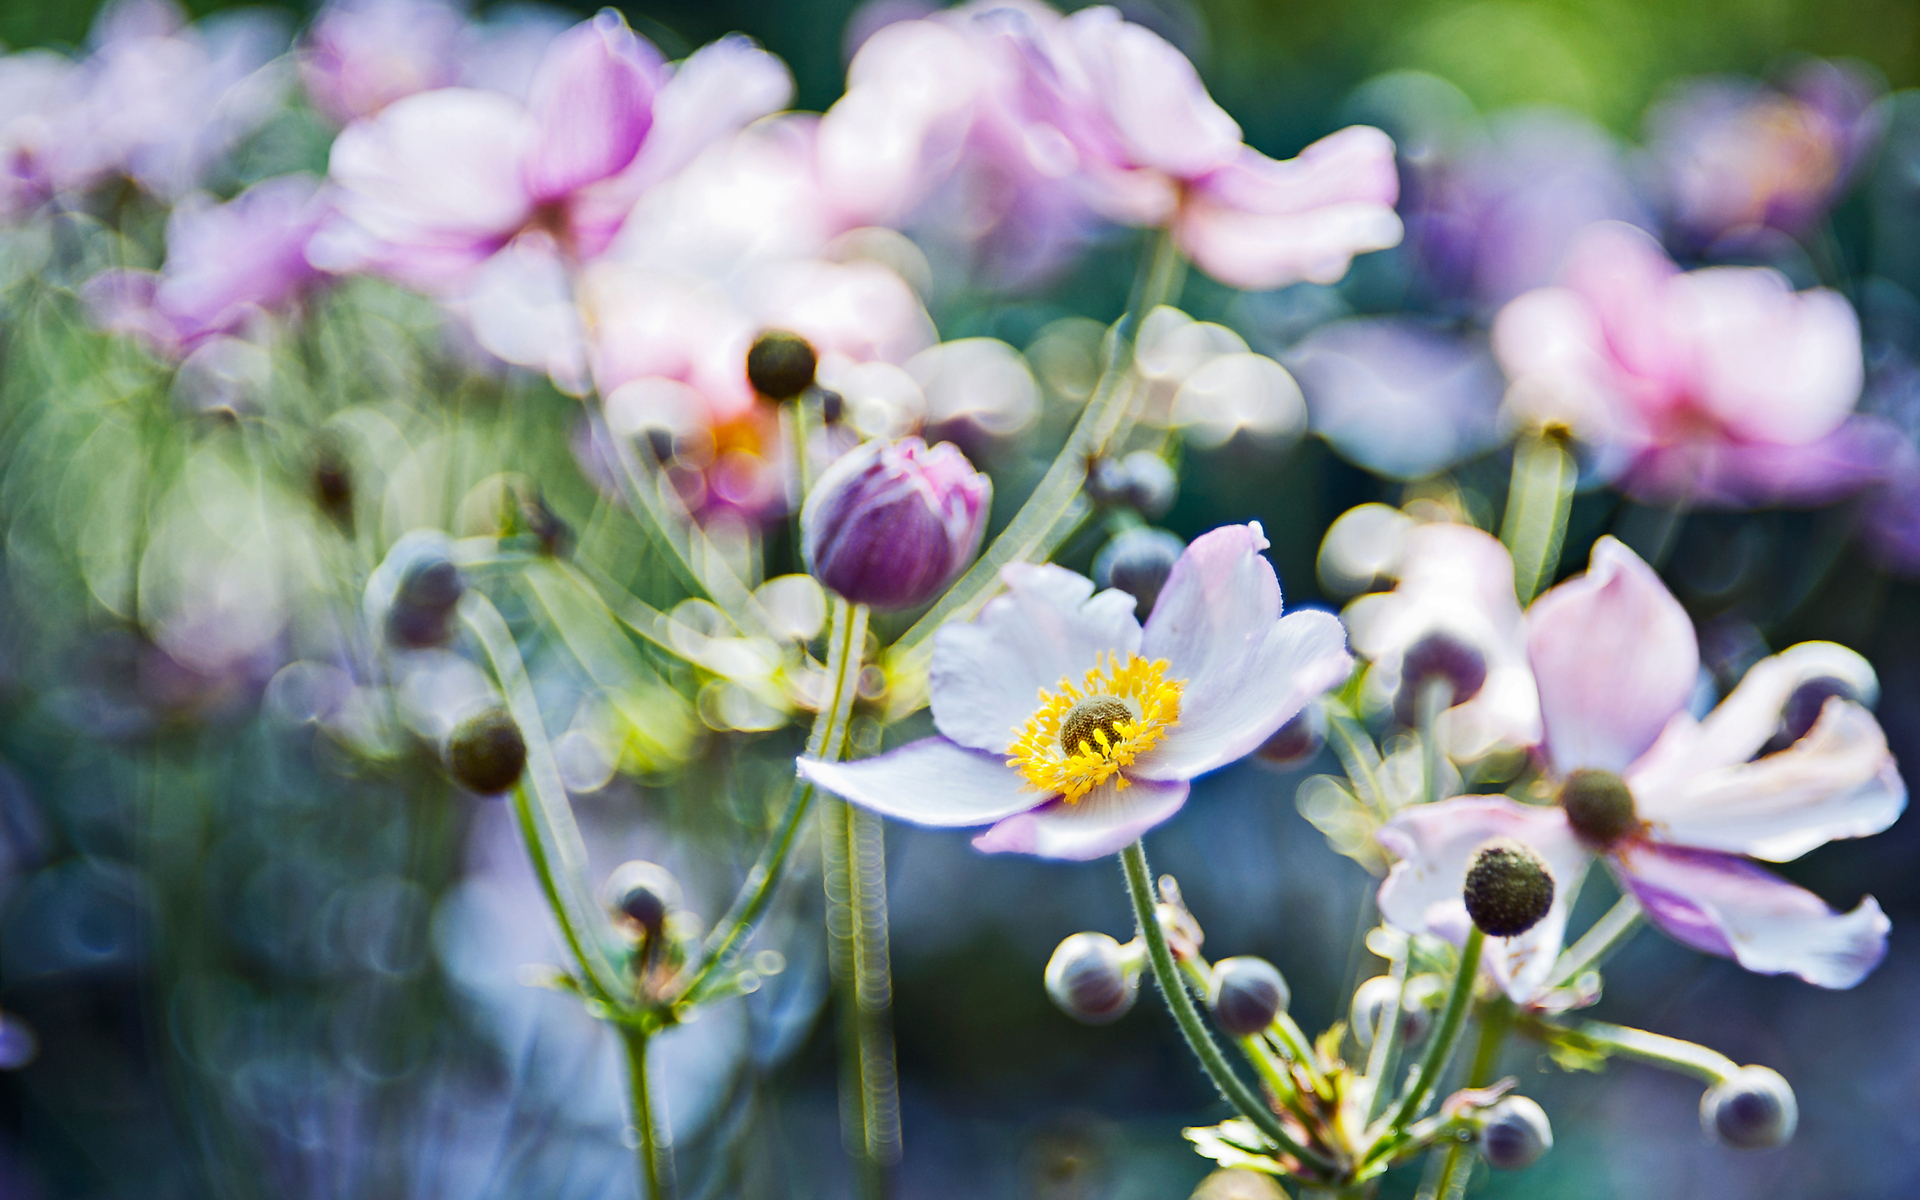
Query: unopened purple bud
point(891, 524)
point(643, 893)
point(1803, 708)
point(1248, 993)
point(1091, 980)
point(1138, 563)
point(1752, 1109)
point(1515, 1135)
point(413, 593)
point(1151, 484)
point(1438, 656)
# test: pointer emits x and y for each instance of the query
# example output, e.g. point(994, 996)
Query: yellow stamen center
point(1080, 737)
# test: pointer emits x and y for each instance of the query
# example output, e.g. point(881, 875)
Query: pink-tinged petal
point(1720, 904)
point(720, 89)
point(428, 189)
point(1257, 223)
point(1553, 349)
point(928, 782)
point(862, 310)
point(1102, 822)
point(1622, 272)
point(1435, 843)
point(521, 308)
point(987, 674)
point(225, 261)
point(1146, 93)
point(1772, 365)
point(122, 301)
point(1217, 624)
point(1838, 781)
point(592, 101)
point(1716, 472)
point(1614, 656)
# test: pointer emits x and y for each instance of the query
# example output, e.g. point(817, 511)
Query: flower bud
point(1372, 999)
point(414, 592)
point(1508, 888)
point(780, 364)
point(1438, 656)
point(1141, 481)
point(1091, 979)
point(486, 752)
point(1752, 1109)
point(643, 893)
point(1296, 741)
point(1138, 562)
point(891, 524)
point(1248, 993)
point(1802, 710)
point(1515, 1134)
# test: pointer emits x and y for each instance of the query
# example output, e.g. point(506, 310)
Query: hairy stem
point(1595, 946)
point(654, 1153)
point(1440, 1050)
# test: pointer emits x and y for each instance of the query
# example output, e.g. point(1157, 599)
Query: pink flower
point(361, 55)
point(1720, 386)
point(1072, 730)
point(1674, 806)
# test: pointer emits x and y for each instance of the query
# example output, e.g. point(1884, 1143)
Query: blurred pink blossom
point(1720, 387)
point(1616, 661)
point(361, 55)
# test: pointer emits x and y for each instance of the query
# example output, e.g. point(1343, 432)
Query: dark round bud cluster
point(1090, 979)
point(1599, 807)
point(1802, 710)
point(780, 364)
point(423, 602)
point(1247, 994)
point(1138, 562)
point(1296, 741)
point(1142, 481)
point(486, 752)
point(1095, 715)
point(1438, 656)
point(1515, 1133)
point(1508, 888)
point(643, 893)
point(1752, 1109)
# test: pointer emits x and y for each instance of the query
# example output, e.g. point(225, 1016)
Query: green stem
point(1441, 1048)
point(654, 1153)
point(1538, 499)
point(1167, 974)
point(1496, 1018)
point(873, 995)
point(1658, 1050)
point(1595, 946)
point(1056, 506)
point(1385, 1057)
point(1359, 757)
point(845, 641)
point(554, 845)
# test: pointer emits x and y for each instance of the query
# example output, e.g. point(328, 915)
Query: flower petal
point(1614, 656)
point(1435, 844)
point(1099, 823)
point(1838, 781)
point(987, 674)
point(929, 782)
point(1217, 623)
point(1719, 904)
point(593, 99)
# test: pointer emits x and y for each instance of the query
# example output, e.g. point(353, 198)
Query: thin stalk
point(1259, 1052)
point(1385, 1057)
point(845, 640)
point(1495, 1020)
point(1595, 946)
point(1658, 1050)
point(1056, 506)
point(1538, 499)
point(1359, 757)
point(873, 993)
point(1167, 974)
point(1451, 1018)
point(648, 1136)
point(1435, 697)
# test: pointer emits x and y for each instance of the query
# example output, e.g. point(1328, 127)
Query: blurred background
point(253, 943)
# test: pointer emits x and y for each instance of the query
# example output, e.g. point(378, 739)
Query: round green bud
point(1248, 993)
point(643, 893)
point(1091, 980)
point(1752, 1109)
point(1515, 1134)
point(486, 752)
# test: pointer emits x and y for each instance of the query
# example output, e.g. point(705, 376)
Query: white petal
point(988, 673)
point(1838, 781)
point(1100, 823)
point(929, 782)
point(1719, 904)
point(1435, 844)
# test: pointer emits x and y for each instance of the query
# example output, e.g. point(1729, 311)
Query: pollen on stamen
point(1082, 736)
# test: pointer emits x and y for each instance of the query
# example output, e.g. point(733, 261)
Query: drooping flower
point(1721, 386)
point(1072, 730)
point(1676, 807)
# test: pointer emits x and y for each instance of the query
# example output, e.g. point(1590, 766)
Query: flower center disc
point(1081, 736)
point(1599, 807)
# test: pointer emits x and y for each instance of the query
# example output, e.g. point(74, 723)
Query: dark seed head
point(1599, 807)
point(644, 893)
point(1138, 562)
point(1087, 721)
point(333, 484)
point(1248, 993)
point(1088, 977)
point(1508, 888)
point(1753, 1109)
point(1438, 656)
point(780, 364)
point(1515, 1135)
point(486, 752)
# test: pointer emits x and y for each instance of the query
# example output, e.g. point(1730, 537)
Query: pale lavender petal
point(592, 100)
point(1724, 473)
point(1258, 223)
point(1720, 904)
point(1102, 822)
point(1838, 781)
point(361, 55)
point(1217, 624)
point(1435, 843)
point(1149, 95)
point(1614, 656)
point(928, 782)
point(987, 674)
point(226, 260)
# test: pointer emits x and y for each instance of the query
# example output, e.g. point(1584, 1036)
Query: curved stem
point(1496, 1019)
point(1441, 1049)
point(647, 1139)
point(1597, 944)
point(1167, 974)
point(1659, 1050)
